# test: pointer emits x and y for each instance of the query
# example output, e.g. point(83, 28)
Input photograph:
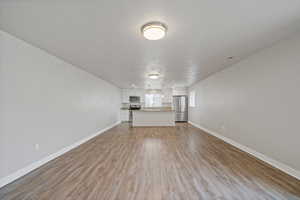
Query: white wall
point(256, 102)
point(46, 101)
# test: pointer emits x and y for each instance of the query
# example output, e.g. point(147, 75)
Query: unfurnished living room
point(149, 100)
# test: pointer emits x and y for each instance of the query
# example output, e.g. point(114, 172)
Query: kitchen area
point(154, 107)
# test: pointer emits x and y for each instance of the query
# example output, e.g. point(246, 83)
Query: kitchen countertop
point(154, 110)
point(162, 109)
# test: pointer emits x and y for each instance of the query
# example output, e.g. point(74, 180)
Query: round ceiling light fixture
point(154, 30)
point(153, 76)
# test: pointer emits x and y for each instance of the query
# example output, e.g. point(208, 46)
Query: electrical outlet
point(37, 147)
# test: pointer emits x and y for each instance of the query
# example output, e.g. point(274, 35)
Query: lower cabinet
point(124, 115)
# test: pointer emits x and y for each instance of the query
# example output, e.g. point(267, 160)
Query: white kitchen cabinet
point(141, 94)
point(167, 95)
point(124, 115)
point(126, 93)
point(180, 91)
point(153, 118)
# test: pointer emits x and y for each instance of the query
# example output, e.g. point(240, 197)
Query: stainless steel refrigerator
point(180, 105)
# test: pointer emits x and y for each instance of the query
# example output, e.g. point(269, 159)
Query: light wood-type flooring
point(162, 163)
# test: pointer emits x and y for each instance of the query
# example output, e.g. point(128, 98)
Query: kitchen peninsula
point(153, 117)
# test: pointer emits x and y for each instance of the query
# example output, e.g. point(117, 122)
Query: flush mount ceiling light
point(153, 76)
point(154, 30)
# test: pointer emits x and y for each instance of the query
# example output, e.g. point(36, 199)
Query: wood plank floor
point(173, 163)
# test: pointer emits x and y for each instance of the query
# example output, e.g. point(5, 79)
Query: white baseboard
point(260, 156)
point(21, 172)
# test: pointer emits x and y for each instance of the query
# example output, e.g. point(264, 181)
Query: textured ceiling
point(103, 36)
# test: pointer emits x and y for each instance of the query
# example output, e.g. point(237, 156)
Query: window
point(192, 98)
point(153, 100)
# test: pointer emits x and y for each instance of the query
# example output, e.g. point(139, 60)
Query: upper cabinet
point(125, 96)
point(167, 95)
point(126, 93)
point(180, 91)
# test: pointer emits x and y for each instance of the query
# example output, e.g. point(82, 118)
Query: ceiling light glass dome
point(153, 76)
point(154, 30)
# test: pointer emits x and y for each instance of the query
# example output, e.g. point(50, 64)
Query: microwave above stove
point(134, 99)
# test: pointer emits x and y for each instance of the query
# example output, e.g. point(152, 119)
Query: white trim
point(283, 167)
point(21, 172)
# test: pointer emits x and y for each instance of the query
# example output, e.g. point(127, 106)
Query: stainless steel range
point(134, 104)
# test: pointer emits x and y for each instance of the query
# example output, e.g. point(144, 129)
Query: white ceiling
point(103, 36)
